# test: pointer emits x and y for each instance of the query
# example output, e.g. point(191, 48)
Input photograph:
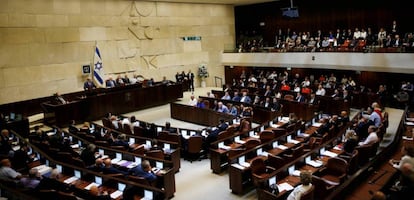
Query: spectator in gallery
point(192, 101)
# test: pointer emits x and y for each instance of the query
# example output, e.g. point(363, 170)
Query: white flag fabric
point(98, 75)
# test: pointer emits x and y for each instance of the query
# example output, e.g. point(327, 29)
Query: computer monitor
point(251, 133)
point(98, 180)
point(275, 144)
point(193, 133)
point(47, 162)
point(159, 165)
point(12, 116)
point(148, 143)
point(288, 138)
point(322, 150)
point(237, 138)
point(121, 186)
point(131, 140)
point(77, 174)
point(272, 180)
point(79, 143)
point(148, 194)
point(308, 159)
point(70, 138)
point(101, 151)
point(261, 128)
point(59, 168)
point(259, 151)
point(118, 156)
point(242, 159)
point(159, 129)
point(291, 169)
point(137, 159)
point(167, 146)
point(183, 132)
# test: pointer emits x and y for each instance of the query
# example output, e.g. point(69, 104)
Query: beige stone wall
point(44, 43)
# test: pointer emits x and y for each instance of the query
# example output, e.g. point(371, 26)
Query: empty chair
point(260, 171)
point(66, 196)
point(195, 144)
point(155, 154)
point(353, 162)
point(138, 131)
point(231, 129)
point(251, 143)
point(288, 97)
point(127, 128)
point(310, 144)
point(245, 126)
point(275, 161)
point(78, 162)
point(366, 152)
point(266, 136)
point(234, 152)
point(294, 153)
point(163, 135)
point(334, 172)
point(322, 189)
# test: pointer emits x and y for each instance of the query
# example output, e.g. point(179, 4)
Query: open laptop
point(76, 175)
point(119, 192)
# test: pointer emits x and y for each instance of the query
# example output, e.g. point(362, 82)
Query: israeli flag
point(98, 75)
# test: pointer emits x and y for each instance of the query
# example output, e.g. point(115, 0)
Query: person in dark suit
point(190, 76)
point(89, 85)
point(144, 170)
point(110, 169)
point(299, 98)
point(313, 100)
point(88, 155)
point(169, 128)
point(236, 96)
point(98, 166)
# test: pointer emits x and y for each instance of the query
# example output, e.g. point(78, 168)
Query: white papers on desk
point(314, 163)
point(15, 148)
point(337, 148)
point(407, 138)
point(50, 133)
point(264, 153)
point(132, 165)
point(222, 146)
point(296, 173)
point(115, 160)
point(255, 136)
point(409, 119)
point(186, 137)
point(293, 141)
point(236, 165)
point(70, 180)
point(43, 169)
point(121, 162)
point(284, 186)
point(245, 164)
point(304, 135)
point(90, 185)
point(409, 123)
point(283, 147)
point(116, 194)
point(316, 124)
point(275, 126)
point(284, 119)
point(329, 153)
point(74, 146)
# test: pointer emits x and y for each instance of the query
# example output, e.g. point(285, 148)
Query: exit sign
point(192, 38)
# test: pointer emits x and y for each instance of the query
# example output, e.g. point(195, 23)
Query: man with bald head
point(7, 173)
point(110, 169)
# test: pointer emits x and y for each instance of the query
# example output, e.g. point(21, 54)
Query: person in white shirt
point(211, 95)
point(193, 101)
point(226, 96)
point(321, 91)
point(372, 136)
point(306, 180)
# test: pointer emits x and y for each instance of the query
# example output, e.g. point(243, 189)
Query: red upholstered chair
point(335, 171)
point(308, 195)
point(260, 171)
point(322, 189)
point(195, 144)
point(266, 136)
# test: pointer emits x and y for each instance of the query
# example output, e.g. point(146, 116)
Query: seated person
point(372, 136)
point(31, 181)
point(52, 182)
point(110, 169)
point(169, 128)
point(7, 173)
point(58, 99)
point(121, 140)
point(89, 85)
point(96, 193)
point(98, 166)
point(324, 128)
point(351, 141)
point(144, 170)
point(306, 180)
